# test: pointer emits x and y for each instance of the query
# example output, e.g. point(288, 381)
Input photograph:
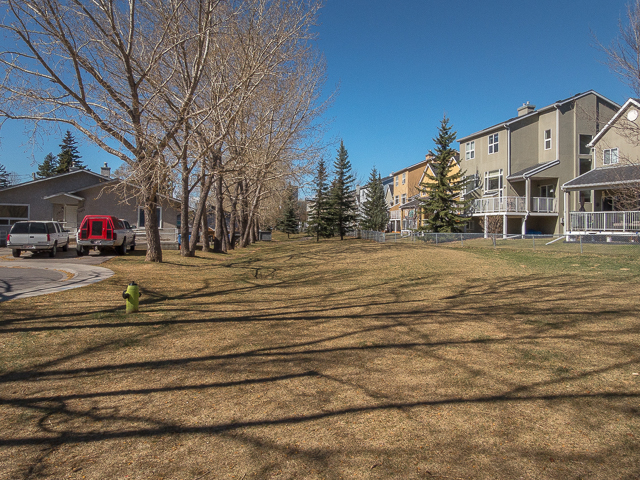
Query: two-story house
point(515, 168)
point(405, 185)
point(608, 196)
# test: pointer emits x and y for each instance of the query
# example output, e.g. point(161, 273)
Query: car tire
point(54, 250)
point(132, 247)
point(122, 249)
point(66, 247)
point(80, 251)
point(16, 252)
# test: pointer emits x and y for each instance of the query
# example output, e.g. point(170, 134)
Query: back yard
point(297, 359)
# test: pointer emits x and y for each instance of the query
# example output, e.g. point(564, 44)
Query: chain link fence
point(581, 244)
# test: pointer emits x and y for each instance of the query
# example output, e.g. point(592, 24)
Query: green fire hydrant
point(131, 296)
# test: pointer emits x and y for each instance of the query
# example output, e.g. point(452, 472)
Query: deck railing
point(514, 205)
point(628, 222)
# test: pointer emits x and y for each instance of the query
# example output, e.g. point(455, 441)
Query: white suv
point(37, 236)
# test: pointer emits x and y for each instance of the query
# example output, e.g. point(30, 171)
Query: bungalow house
point(608, 196)
point(516, 167)
point(68, 197)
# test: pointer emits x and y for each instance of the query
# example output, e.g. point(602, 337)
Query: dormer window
point(493, 143)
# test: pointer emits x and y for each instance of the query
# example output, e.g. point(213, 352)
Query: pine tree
point(4, 177)
point(68, 155)
point(443, 205)
point(375, 216)
point(48, 166)
point(289, 223)
point(343, 194)
point(319, 214)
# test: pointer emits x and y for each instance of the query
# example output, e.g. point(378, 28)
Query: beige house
point(514, 169)
point(405, 186)
point(607, 197)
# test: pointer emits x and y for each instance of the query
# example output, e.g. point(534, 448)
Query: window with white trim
point(142, 217)
point(404, 178)
point(404, 198)
point(12, 213)
point(469, 183)
point(610, 156)
point(493, 143)
point(547, 139)
point(493, 181)
point(397, 200)
point(470, 150)
point(396, 180)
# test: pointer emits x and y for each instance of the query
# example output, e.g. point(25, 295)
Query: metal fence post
point(580, 244)
point(534, 242)
point(461, 241)
point(436, 239)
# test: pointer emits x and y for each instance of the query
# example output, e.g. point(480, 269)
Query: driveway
point(38, 274)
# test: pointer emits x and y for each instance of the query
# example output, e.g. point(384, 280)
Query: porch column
point(527, 194)
point(486, 226)
point(524, 225)
point(567, 209)
point(504, 225)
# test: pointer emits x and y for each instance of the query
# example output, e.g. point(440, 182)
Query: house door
point(70, 217)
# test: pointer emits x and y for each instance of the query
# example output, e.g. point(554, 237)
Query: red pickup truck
point(104, 232)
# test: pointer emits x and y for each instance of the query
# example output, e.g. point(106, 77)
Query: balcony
point(514, 205)
point(596, 222)
point(394, 215)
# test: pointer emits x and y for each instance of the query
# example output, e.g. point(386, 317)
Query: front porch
point(625, 223)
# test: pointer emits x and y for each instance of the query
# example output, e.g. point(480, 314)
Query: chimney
point(105, 171)
point(525, 109)
point(33, 174)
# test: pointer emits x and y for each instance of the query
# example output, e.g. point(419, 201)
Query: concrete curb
point(77, 276)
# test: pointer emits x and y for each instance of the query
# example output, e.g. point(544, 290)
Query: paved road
point(38, 274)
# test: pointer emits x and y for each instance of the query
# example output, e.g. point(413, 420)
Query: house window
point(469, 183)
point(610, 156)
point(547, 139)
point(141, 217)
point(493, 143)
point(470, 150)
point(584, 141)
point(396, 180)
point(11, 213)
point(493, 180)
point(397, 200)
point(404, 178)
point(404, 198)
point(546, 191)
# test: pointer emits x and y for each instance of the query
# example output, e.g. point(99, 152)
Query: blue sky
point(402, 65)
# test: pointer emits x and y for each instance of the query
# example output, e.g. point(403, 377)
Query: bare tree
point(108, 68)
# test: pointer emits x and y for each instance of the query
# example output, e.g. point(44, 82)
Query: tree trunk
point(220, 244)
point(206, 245)
point(154, 249)
point(233, 219)
point(200, 210)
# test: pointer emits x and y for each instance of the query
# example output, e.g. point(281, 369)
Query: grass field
point(296, 359)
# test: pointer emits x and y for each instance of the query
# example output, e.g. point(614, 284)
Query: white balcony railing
point(394, 215)
point(514, 205)
point(604, 221)
point(544, 204)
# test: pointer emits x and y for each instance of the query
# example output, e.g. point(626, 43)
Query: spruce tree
point(443, 206)
point(48, 166)
point(4, 177)
point(375, 216)
point(319, 213)
point(290, 214)
point(68, 155)
point(343, 194)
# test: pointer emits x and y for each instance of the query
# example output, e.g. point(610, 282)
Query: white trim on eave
point(613, 120)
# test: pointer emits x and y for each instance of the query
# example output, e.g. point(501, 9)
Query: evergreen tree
point(4, 177)
point(443, 205)
point(68, 155)
point(289, 223)
point(375, 216)
point(320, 221)
point(343, 194)
point(48, 166)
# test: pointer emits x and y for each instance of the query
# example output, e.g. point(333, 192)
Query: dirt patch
point(327, 360)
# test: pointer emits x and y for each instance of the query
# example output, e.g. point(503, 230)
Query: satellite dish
point(632, 115)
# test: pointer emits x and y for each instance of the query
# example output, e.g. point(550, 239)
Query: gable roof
point(614, 119)
point(554, 105)
point(533, 170)
point(99, 178)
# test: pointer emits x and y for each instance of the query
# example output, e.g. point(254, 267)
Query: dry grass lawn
point(296, 359)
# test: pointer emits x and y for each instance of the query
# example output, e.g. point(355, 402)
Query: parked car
point(37, 236)
point(103, 232)
point(130, 234)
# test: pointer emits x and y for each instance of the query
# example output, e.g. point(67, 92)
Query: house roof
point(60, 175)
point(516, 119)
point(614, 119)
point(532, 170)
point(605, 177)
point(413, 203)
